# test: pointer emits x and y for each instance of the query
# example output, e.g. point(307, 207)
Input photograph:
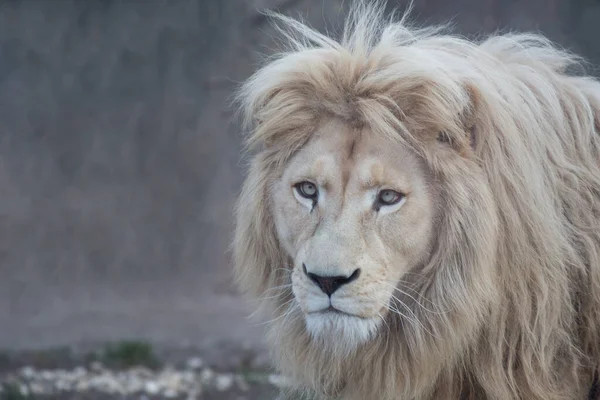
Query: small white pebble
point(188, 376)
point(206, 375)
point(151, 388)
point(194, 395)
point(172, 380)
point(47, 375)
point(96, 366)
point(141, 382)
point(24, 390)
point(28, 372)
point(36, 388)
point(143, 372)
point(134, 384)
point(195, 363)
point(223, 382)
point(82, 386)
point(62, 386)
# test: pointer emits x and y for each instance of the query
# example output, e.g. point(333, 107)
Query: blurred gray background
point(120, 160)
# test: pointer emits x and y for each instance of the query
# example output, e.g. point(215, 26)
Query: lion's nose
point(329, 284)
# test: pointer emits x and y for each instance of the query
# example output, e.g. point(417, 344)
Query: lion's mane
point(522, 317)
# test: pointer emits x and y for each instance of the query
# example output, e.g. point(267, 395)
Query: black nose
point(329, 284)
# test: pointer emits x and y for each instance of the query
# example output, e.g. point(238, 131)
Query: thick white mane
point(518, 247)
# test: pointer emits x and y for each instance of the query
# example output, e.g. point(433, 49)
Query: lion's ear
point(470, 115)
point(256, 109)
point(262, 136)
point(473, 137)
point(462, 133)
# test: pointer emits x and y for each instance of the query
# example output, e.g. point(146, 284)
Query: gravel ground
point(220, 373)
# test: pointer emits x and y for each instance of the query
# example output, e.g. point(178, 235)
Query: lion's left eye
point(389, 197)
point(307, 190)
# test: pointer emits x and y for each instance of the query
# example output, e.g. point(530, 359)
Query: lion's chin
point(340, 331)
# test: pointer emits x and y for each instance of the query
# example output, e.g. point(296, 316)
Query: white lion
point(422, 213)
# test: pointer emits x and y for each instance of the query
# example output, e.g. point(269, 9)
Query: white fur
point(496, 246)
point(340, 332)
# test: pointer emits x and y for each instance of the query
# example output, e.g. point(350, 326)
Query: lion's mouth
point(332, 310)
point(332, 323)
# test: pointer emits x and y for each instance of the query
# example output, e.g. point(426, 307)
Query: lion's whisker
point(275, 296)
point(384, 321)
point(285, 285)
point(287, 270)
point(440, 312)
point(414, 316)
point(411, 320)
point(252, 315)
point(280, 316)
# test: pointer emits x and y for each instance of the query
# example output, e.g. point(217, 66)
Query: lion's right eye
point(307, 190)
point(390, 199)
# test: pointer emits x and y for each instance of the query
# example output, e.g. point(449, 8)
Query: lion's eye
point(443, 137)
point(389, 197)
point(307, 190)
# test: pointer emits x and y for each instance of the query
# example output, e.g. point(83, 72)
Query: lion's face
point(355, 214)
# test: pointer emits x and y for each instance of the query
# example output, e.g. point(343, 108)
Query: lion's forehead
point(342, 160)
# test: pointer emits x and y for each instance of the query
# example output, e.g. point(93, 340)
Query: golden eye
point(388, 197)
point(307, 189)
